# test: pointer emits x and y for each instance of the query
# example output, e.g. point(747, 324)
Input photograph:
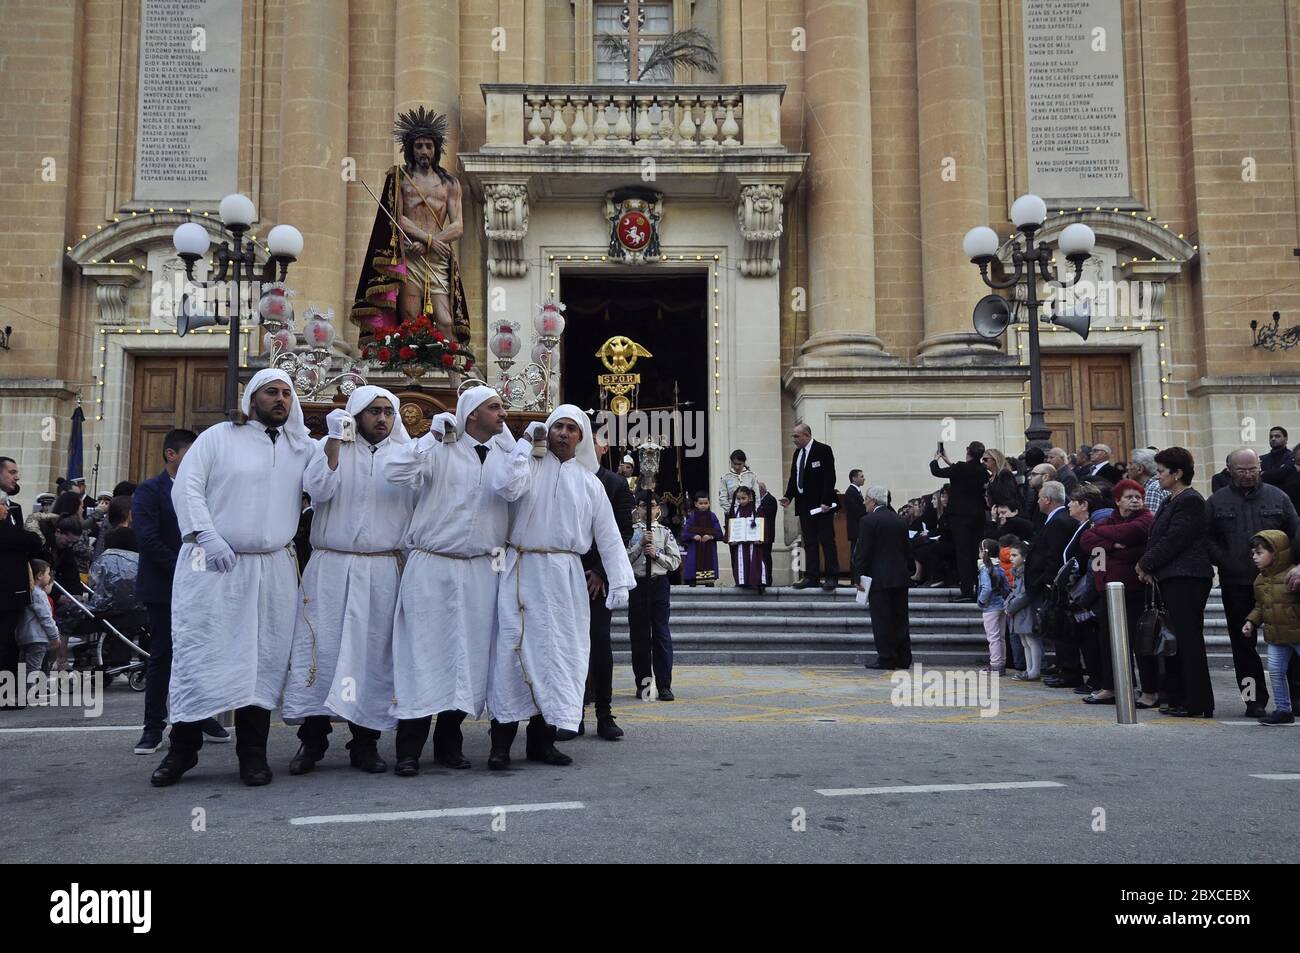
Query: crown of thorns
point(420, 122)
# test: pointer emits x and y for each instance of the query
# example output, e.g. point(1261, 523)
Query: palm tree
point(689, 48)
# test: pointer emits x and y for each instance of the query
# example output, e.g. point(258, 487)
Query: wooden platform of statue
point(420, 404)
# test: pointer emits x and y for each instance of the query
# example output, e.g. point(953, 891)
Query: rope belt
point(519, 602)
point(393, 553)
point(434, 552)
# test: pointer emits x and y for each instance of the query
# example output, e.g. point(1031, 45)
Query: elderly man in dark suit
point(883, 555)
point(812, 489)
point(1044, 560)
point(159, 537)
point(966, 513)
point(1100, 468)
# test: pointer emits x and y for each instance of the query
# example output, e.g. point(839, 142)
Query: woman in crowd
point(1177, 559)
point(1086, 504)
point(934, 553)
point(1001, 489)
point(1122, 540)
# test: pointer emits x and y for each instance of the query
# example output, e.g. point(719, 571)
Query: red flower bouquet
point(417, 345)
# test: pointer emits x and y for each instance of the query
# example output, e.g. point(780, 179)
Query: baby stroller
point(115, 643)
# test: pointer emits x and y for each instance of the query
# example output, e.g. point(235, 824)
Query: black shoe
point(1089, 700)
point(498, 760)
point(607, 729)
point(1051, 670)
point(564, 734)
point(451, 759)
point(1253, 710)
point(1278, 718)
point(1084, 689)
point(303, 761)
point(1184, 713)
point(1057, 682)
point(366, 758)
point(253, 769)
point(550, 755)
point(804, 584)
point(407, 767)
point(880, 665)
point(149, 742)
point(176, 763)
point(666, 695)
point(213, 733)
point(829, 587)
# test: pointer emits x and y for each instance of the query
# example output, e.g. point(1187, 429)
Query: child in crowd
point(747, 563)
point(700, 535)
point(652, 551)
point(1277, 609)
point(37, 631)
point(1020, 613)
point(991, 598)
point(1014, 646)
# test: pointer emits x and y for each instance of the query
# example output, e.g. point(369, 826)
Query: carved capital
point(505, 223)
point(113, 284)
point(759, 214)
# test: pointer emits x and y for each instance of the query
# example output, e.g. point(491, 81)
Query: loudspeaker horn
point(191, 315)
point(991, 316)
point(1077, 318)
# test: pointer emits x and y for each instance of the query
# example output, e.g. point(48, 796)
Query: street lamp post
point(284, 242)
point(1032, 261)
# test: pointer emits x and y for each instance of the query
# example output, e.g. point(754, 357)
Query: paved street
point(722, 774)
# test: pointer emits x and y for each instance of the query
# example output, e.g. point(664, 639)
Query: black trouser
point(600, 666)
point(412, 733)
point(1088, 633)
point(936, 559)
point(1148, 666)
point(966, 532)
point(652, 643)
point(1238, 602)
point(890, 628)
point(9, 654)
point(539, 736)
point(158, 670)
point(252, 725)
point(315, 730)
point(1187, 674)
point(818, 538)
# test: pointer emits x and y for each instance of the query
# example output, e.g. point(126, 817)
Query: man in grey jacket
point(1235, 514)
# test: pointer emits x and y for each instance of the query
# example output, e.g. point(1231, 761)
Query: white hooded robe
point(232, 631)
point(345, 618)
point(543, 642)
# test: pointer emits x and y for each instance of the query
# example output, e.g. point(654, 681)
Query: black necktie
point(273, 434)
point(481, 450)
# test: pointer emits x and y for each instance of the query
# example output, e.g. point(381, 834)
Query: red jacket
point(1124, 542)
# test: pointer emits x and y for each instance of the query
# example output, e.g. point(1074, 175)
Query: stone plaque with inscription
point(187, 130)
point(1074, 99)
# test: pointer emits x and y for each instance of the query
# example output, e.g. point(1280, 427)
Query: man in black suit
point(600, 668)
point(883, 555)
point(854, 507)
point(966, 514)
point(17, 548)
point(1100, 467)
point(1047, 554)
point(9, 485)
point(812, 488)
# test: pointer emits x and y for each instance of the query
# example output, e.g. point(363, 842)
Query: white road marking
point(938, 788)
point(1277, 777)
point(440, 812)
point(20, 731)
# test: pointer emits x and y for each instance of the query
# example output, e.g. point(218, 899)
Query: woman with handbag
point(1178, 559)
point(1122, 540)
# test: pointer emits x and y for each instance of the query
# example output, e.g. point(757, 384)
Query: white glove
point(340, 425)
point(535, 431)
point(617, 599)
point(217, 554)
point(439, 423)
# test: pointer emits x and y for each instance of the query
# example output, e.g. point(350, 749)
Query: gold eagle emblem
point(619, 354)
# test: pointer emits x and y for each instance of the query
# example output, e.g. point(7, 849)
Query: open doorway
point(666, 315)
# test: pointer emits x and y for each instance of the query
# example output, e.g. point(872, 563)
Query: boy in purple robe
point(699, 539)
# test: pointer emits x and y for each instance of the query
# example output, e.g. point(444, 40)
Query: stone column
point(729, 42)
point(534, 42)
point(314, 135)
point(954, 174)
point(841, 242)
point(427, 65)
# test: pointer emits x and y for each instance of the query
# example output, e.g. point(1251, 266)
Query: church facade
point(794, 219)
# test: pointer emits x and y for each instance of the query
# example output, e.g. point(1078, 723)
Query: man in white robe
point(446, 607)
point(539, 665)
point(342, 661)
point(235, 591)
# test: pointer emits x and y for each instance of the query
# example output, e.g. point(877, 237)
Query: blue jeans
point(1278, 658)
point(1017, 651)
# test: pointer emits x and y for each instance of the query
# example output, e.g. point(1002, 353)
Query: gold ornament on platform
point(619, 354)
